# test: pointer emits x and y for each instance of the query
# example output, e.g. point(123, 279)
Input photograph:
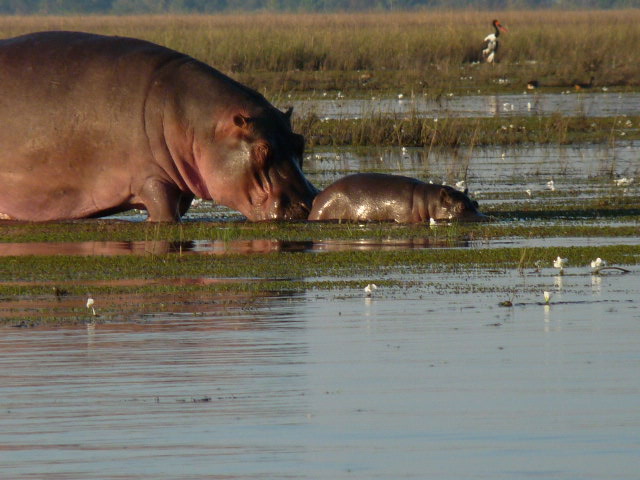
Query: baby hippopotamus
point(376, 196)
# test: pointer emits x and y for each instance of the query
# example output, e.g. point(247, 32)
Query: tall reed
point(418, 50)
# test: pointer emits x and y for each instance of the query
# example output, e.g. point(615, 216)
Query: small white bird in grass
point(369, 289)
point(90, 303)
point(623, 182)
point(547, 297)
point(559, 263)
point(598, 263)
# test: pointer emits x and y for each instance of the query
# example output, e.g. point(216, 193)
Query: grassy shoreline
point(395, 130)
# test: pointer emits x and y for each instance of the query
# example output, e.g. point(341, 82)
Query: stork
point(491, 42)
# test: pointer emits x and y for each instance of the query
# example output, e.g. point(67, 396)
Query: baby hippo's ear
point(445, 197)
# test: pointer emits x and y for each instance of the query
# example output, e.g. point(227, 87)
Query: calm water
point(590, 104)
point(414, 383)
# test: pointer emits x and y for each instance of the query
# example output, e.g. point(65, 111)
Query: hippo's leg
point(162, 200)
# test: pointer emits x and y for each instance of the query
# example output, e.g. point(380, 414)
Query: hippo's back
point(72, 107)
point(366, 196)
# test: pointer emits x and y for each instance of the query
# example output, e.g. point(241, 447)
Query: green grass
point(414, 131)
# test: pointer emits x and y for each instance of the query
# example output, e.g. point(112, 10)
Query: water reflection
point(321, 385)
point(526, 104)
point(264, 246)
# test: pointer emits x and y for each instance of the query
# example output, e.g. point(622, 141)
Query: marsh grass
point(414, 131)
point(308, 231)
point(410, 52)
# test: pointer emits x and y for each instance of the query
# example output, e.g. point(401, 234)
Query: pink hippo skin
point(375, 196)
point(94, 125)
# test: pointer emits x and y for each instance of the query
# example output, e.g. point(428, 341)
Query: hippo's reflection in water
point(218, 247)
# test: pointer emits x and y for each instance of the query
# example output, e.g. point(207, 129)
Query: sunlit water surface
point(410, 383)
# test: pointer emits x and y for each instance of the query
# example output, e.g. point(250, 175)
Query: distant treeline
point(122, 7)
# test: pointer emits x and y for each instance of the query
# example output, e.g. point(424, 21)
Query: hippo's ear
point(241, 121)
point(288, 113)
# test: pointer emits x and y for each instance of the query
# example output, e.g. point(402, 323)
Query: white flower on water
point(597, 263)
point(547, 296)
point(90, 303)
point(559, 263)
point(369, 289)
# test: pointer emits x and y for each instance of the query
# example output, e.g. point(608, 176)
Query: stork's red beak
point(499, 25)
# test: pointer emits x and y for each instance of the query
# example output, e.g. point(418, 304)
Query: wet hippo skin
point(94, 125)
point(376, 196)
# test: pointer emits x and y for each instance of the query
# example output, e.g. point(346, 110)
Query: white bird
point(623, 182)
point(370, 288)
point(461, 185)
point(559, 263)
point(90, 303)
point(551, 185)
point(598, 263)
point(491, 43)
point(547, 296)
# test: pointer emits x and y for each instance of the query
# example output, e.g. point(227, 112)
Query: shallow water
point(590, 104)
point(412, 383)
point(247, 247)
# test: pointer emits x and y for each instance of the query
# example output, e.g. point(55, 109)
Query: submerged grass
point(23, 270)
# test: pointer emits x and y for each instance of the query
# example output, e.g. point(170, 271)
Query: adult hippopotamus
point(93, 125)
point(376, 196)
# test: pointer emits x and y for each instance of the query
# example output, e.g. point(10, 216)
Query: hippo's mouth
point(297, 211)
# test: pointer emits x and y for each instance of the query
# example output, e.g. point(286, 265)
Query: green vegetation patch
point(508, 224)
point(31, 269)
point(416, 131)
